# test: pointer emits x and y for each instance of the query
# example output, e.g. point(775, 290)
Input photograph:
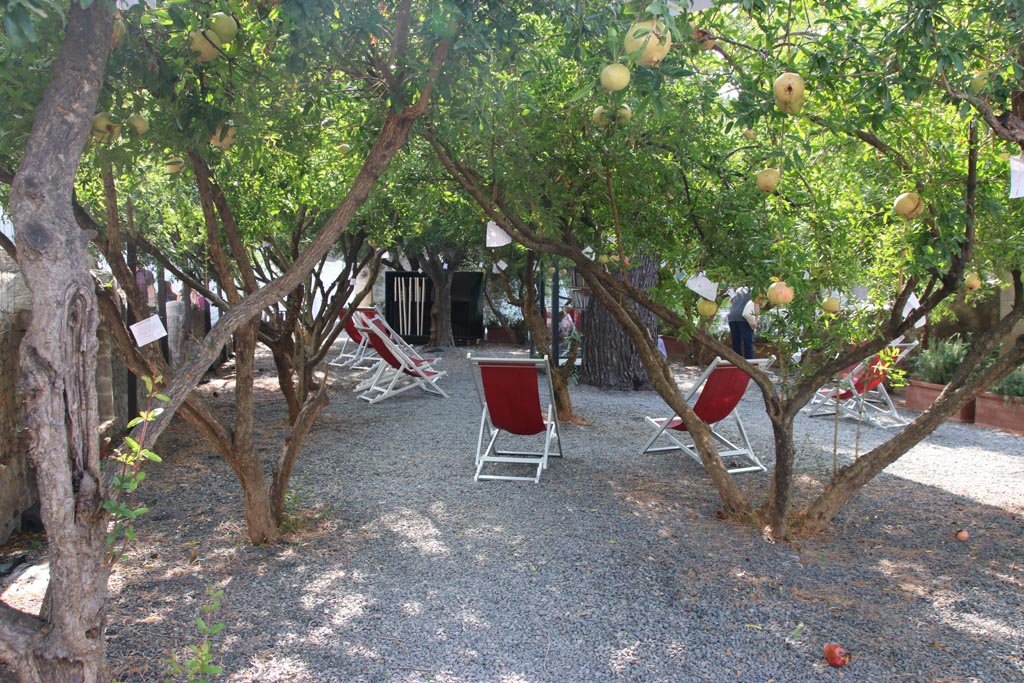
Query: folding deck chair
point(361, 356)
point(397, 371)
point(721, 386)
point(859, 390)
point(510, 397)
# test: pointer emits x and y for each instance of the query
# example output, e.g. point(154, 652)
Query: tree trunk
point(58, 371)
point(286, 377)
point(259, 518)
point(292, 444)
point(559, 377)
point(610, 360)
point(441, 314)
point(441, 277)
point(782, 479)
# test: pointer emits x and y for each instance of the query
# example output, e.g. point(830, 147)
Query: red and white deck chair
point(509, 391)
point(356, 352)
point(367, 319)
point(859, 390)
point(720, 389)
point(397, 371)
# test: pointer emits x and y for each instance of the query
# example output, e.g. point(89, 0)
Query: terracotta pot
point(921, 395)
point(1001, 412)
point(675, 347)
point(766, 350)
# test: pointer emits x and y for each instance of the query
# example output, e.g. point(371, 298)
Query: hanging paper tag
point(680, 276)
point(496, 237)
point(908, 308)
point(589, 253)
point(148, 330)
point(1017, 177)
point(498, 267)
point(703, 286)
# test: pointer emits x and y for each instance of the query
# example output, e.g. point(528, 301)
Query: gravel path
point(613, 567)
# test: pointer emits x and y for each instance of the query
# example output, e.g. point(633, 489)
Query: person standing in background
point(743, 318)
point(144, 280)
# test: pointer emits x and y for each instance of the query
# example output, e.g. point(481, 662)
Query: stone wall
point(17, 488)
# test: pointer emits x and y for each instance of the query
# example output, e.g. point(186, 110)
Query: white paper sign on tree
point(496, 237)
point(1017, 177)
point(703, 286)
point(148, 330)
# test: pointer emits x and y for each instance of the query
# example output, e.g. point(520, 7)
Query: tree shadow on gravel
point(401, 568)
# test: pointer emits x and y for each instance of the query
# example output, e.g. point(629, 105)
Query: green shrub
point(939, 361)
point(1011, 385)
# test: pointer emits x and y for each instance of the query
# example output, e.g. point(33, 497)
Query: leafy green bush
point(939, 361)
point(1011, 385)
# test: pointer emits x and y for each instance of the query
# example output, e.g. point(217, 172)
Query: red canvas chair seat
point(859, 391)
point(397, 371)
point(509, 391)
point(720, 387)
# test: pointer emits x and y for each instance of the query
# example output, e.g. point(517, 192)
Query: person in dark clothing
point(743, 316)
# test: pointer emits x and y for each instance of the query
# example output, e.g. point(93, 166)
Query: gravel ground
point(613, 567)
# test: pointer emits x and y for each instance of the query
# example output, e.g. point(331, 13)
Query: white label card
point(1017, 177)
point(148, 330)
point(703, 286)
point(496, 237)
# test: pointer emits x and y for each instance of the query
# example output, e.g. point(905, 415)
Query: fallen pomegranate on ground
point(836, 655)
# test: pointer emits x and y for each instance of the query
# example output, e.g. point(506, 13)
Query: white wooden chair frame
point(870, 406)
point(390, 380)
point(743, 451)
point(362, 357)
point(490, 452)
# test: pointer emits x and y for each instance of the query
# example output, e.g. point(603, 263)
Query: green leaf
point(583, 91)
point(150, 455)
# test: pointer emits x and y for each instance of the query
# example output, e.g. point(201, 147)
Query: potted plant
point(932, 369)
point(1003, 407)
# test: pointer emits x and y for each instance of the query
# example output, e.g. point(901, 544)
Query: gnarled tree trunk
point(440, 266)
point(58, 372)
